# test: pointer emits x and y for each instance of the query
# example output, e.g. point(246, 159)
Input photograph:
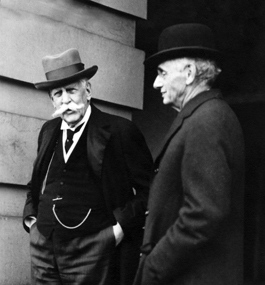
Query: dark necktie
point(70, 135)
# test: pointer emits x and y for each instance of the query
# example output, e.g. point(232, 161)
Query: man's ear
point(89, 90)
point(190, 70)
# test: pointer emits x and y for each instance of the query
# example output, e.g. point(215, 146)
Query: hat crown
point(61, 60)
point(64, 68)
point(185, 40)
point(186, 36)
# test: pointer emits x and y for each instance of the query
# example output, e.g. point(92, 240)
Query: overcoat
point(119, 157)
point(194, 230)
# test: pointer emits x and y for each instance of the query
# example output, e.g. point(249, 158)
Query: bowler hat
point(185, 40)
point(64, 68)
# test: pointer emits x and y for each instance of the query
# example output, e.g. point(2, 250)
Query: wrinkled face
point(171, 81)
point(71, 101)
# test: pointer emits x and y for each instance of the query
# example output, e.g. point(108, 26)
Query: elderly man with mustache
point(87, 198)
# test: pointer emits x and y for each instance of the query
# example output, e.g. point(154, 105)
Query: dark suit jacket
point(119, 157)
point(194, 230)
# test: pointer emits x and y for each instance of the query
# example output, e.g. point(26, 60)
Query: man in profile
point(194, 229)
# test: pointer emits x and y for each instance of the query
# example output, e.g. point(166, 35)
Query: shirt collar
point(65, 126)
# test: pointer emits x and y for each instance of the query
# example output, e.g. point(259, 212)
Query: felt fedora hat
point(64, 68)
point(185, 40)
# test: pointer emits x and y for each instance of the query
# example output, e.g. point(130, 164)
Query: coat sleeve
point(29, 209)
point(206, 175)
point(138, 166)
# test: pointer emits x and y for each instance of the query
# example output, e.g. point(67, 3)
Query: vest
point(72, 203)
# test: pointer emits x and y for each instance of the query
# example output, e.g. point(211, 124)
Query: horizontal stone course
point(86, 16)
point(18, 147)
point(27, 38)
point(137, 8)
point(14, 252)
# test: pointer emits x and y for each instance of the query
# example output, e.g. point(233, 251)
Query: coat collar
point(98, 136)
point(49, 139)
point(187, 111)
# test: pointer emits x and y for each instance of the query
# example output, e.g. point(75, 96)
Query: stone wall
point(104, 33)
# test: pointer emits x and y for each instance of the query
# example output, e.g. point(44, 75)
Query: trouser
point(81, 260)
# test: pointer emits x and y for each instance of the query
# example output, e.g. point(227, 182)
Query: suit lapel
point(163, 146)
point(191, 106)
point(98, 136)
point(47, 145)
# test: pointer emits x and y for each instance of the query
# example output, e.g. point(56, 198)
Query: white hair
point(207, 70)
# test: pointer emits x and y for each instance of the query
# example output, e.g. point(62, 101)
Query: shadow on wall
point(252, 118)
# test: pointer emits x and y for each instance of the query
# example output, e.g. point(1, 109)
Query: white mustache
point(73, 107)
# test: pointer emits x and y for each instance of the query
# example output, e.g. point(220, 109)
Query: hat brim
point(51, 84)
point(174, 53)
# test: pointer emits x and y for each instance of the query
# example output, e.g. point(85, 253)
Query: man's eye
point(162, 73)
point(57, 94)
point(71, 91)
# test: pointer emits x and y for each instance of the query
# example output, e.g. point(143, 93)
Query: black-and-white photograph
point(132, 147)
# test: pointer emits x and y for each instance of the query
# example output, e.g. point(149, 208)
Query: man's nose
point(157, 83)
point(65, 97)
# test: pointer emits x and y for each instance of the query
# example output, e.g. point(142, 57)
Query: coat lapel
point(186, 112)
point(46, 147)
point(163, 146)
point(98, 136)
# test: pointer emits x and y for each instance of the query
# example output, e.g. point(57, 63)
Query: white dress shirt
point(65, 127)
